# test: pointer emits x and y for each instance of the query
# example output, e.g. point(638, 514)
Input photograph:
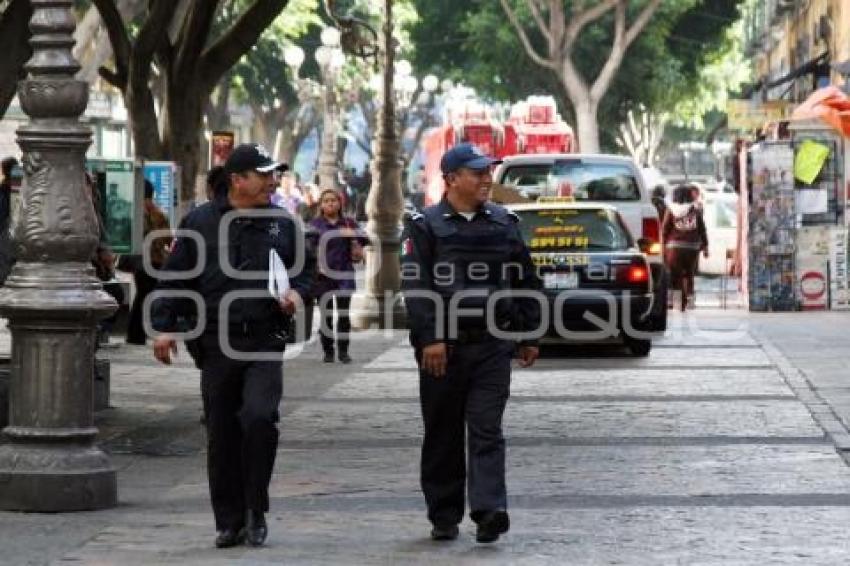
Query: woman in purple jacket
point(340, 245)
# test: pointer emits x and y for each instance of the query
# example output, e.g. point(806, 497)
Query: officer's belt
point(254, 328)
point(473, 336)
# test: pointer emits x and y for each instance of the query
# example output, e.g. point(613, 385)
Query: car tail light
point(637, 274)
point(652, 231)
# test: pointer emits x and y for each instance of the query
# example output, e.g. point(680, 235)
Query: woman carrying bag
point(339, 246)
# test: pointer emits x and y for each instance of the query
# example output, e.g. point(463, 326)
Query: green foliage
point(663, 70)
point(261, 75)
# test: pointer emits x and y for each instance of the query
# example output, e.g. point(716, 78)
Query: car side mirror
point(644, 245)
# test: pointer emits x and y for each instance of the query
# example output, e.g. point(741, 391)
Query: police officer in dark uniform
point(456, 255)
point(241, 393)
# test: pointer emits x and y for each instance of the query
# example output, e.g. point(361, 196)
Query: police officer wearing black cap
point(241, 393)
point(456, 255)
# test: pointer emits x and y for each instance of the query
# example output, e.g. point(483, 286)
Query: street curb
point(821, 411)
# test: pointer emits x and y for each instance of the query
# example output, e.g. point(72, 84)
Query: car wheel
point(657, 320)
point(638, 346)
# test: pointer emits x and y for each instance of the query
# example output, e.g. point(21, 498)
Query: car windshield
point(572, 229)
point(575, 178)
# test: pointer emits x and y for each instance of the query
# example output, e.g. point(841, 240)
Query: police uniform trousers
point(241, 400)
point(467, 402)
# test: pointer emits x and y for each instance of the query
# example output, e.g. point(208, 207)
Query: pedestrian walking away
point(684, 235)
point(241, 393)
point(339, 242)
point(460, 252)
point(154, 221)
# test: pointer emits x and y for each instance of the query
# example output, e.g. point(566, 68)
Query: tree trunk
point(144, 125)
point(295, 130)
point(93, 48)
point(183, 120)
point(264, 131)
point(587, 130)
point(218, 111)
point(14, 44)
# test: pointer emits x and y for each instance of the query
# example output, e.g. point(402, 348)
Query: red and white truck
point(534, 126)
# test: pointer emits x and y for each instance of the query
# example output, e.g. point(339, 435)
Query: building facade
point(795, 45)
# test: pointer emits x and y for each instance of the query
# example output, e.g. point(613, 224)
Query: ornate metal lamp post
point(330, 59)
point(378, 304)
point(52, 298)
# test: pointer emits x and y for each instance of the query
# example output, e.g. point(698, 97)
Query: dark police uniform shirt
point(250, 239)
point(444, 253)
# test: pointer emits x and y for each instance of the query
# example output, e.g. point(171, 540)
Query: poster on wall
point(772, 229)
point(165, 178)
point(839, 292)
point(813, 253)
point(221, 146)
point(116, 191)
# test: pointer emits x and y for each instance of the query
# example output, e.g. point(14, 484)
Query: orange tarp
point(828, 104)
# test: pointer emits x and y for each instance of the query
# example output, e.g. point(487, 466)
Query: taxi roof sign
point(555, 199)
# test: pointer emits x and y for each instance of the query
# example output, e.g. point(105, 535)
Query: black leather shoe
point(329, 357)
point(229, 537)
point(444, 532)
point(256, 530)
point(491, 525)
point(344, 358)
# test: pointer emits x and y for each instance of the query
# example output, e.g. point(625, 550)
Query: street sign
point(752, 115)
point(221, 146)
point(118, 203)
point(165, 178)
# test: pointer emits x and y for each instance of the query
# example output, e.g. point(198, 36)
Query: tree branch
point(526, 43)
point(641, 21)
point(151, 35)
point(622, 40)
point(239, 39)
point(86, 33)
point(14, 44)
point(581, 19)
point(557, 26)
point(112, 78)
point(192, 37)
point(538, 19)
point(121, 47)
point(618, 49)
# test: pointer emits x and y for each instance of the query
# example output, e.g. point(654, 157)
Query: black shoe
point(329, 357)
point(444, 532)
point(256, 530)
point(491, 525)
point(344, 358)
point(229, 537)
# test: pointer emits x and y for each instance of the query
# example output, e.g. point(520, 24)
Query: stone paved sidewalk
point(703, 453)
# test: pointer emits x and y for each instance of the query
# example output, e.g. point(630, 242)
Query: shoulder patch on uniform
point(415, 216)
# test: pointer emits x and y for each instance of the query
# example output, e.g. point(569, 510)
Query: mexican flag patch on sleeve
point(407, 246)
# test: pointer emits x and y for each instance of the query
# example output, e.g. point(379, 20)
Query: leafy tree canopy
point(471, 41)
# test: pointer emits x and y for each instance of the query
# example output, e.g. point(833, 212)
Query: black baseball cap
point(252, 157)
point(465, 155)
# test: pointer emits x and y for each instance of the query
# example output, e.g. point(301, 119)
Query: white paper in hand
point(278, 278)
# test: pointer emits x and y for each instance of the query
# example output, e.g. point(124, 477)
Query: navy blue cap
point(465, 155)
point(252, 156)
